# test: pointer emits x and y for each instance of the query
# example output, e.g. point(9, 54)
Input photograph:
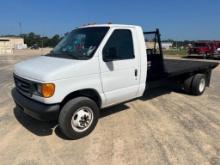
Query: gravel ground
point(163, 127)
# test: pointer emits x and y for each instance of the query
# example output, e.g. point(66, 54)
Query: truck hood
point(44, 68)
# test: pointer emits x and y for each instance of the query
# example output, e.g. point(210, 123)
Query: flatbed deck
point(173, 67)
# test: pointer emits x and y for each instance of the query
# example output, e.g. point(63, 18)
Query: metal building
point(8, 44)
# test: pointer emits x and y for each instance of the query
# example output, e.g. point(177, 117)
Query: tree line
point(42, 41)
point(35, 39)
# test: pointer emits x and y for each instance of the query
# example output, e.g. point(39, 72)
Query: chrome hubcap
point(202, 85)
point(82, 119)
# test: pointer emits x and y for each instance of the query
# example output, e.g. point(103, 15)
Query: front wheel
point(78, 117)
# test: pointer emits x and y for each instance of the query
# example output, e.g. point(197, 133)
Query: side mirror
point(110, 54)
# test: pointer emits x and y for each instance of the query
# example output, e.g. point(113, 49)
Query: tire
point(198, 84)
point(187, 85)
point(73, 116)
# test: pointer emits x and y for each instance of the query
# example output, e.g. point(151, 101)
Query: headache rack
point(155, 58)
point(154, 38)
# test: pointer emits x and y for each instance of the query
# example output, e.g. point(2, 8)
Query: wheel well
point(90, 93)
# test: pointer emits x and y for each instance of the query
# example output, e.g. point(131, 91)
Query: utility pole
point(176, 44)
point(42, 42)
point(20, 27)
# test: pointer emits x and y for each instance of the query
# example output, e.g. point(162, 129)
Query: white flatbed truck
point(97, 66)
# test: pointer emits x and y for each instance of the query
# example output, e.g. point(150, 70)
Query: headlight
point(45, 89)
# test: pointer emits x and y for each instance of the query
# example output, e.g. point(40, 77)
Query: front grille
point(22, 85)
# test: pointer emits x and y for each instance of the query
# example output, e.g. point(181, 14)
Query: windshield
point(80, 44)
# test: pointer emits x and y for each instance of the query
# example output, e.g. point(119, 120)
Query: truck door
point(119, 67)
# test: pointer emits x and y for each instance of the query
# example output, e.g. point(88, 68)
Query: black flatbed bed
point(161, 69)
point(169, 69)
point(175, 67)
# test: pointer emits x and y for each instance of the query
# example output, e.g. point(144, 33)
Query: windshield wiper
point(67, 55)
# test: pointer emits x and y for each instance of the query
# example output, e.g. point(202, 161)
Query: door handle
point(135, 72)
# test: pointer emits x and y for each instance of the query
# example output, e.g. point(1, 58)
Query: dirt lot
point(163, 127)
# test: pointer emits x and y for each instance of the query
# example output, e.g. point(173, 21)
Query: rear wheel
point(198, 84)
point(78, 117)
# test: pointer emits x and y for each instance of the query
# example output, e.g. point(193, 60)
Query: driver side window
point(119, 46)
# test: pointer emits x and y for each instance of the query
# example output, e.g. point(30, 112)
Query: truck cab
point(94, 67)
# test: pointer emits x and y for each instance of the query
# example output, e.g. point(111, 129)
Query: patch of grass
point(175, 52)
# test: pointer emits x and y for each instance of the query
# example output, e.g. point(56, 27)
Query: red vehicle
point(204, 48)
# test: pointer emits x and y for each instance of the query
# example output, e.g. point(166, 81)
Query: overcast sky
point(177, 19)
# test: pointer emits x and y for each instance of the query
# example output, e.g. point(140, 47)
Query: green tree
point(42, 41)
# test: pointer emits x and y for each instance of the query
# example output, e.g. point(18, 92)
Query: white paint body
point(115, 81)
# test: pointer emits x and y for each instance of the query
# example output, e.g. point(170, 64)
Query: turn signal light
point(47, 89)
